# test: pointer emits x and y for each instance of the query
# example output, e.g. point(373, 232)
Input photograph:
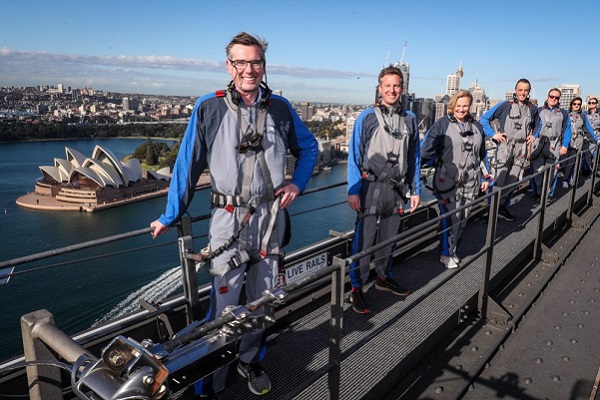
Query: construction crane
point(386, 63)
point(403, 52)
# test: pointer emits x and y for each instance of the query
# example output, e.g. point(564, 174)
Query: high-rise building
point(349, 128)
point(568, 93)
point(479, 105)
point(453, 81)
point(405, 69)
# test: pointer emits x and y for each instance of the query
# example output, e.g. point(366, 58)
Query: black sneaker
point(359, 304)
point(210, 396)
point(505, 214)
point(258, 381)
point(390, 285)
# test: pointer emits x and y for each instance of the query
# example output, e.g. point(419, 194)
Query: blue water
point(86, 291)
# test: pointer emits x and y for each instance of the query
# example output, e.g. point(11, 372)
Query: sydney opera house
point(85, 183)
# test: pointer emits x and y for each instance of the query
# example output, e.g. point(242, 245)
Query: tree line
point(20, 131)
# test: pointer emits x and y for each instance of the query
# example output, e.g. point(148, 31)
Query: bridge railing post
point(482, 299)
point(596, 154)
point(336, 324)
point(41, 341)
point(573, 191)
point(537, 248)
point(188, 270)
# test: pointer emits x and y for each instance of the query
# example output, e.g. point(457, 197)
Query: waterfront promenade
point(37, 201)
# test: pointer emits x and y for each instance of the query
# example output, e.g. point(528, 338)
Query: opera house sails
point(85, 183)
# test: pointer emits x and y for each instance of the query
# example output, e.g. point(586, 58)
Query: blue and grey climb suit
point(582, 133)
point(383, 170)
point(239, 178)
point(457, 150)
point(554, 133)
point(516, 121)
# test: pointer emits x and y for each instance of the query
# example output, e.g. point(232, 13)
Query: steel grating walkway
point(554, 352)
point(380, 349)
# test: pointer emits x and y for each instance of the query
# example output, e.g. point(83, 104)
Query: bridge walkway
point(398, 350)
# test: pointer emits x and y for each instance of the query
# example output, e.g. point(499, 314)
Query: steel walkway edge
point(381, 349)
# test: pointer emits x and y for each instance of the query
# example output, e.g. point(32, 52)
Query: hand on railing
point(158, 229)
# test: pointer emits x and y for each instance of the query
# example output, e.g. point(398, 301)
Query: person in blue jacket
point(593, 116)
point(516, 120)
point(582, 133)
point(242, 135)
point(455, 146)
point(551, 142)
point(383, 174)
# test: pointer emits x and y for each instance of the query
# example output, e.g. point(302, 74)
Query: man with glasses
point(242, 135)
point(551, 141)
point(516, 120)
point(383, 174)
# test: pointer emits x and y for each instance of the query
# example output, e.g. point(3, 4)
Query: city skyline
point(330, 52)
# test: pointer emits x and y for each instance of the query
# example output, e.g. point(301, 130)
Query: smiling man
point(242, 135)
point(551, 141)
point(517, 120)
point(383, 174)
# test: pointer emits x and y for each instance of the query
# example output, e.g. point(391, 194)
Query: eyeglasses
point(553, 97)
point(592, 102)
point(241, 65)
point(576, 104)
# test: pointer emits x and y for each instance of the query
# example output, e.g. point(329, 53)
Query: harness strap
point(268, 237)
point(391, 169)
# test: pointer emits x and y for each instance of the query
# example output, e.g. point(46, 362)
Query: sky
point(319, 50)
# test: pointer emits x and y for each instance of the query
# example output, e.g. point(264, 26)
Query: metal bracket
point(162, 317)
point(497, 316)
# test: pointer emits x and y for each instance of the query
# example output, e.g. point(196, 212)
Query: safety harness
point(390, 172)
point(251, 132)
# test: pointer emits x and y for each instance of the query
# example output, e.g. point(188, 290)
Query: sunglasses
point(592, 102)
point(553, 97)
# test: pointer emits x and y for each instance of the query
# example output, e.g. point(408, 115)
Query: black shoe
point(390, 285)
point(210, 396)
point(505, 214)
point(359, 304)
point(258, 381)
point(536, 197)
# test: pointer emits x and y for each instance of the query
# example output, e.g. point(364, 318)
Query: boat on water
point(435, 344)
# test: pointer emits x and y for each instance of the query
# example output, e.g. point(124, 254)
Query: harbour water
point(91, 288)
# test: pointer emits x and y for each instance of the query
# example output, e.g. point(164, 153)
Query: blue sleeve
point(353, 175)
point(191, 161)
point(483, 154)
point(588, 128)
point(537, 124)
point(490, 115)
point(536, 133)
point(416, 153)
point(309, 151)
point(566, 128)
